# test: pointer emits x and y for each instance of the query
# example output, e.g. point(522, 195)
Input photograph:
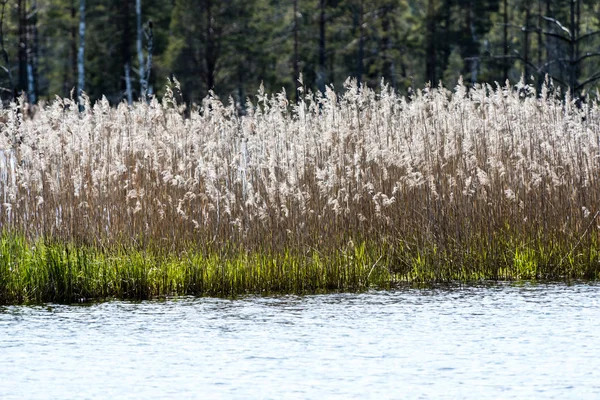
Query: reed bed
point(338, 192)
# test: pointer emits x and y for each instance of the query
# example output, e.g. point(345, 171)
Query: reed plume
point(443, 185)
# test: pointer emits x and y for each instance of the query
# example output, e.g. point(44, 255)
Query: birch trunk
point(150, 39)
point(140, 32)
point(22, 48)
point(526, 44)
point(475, 58)
point(361, 43)
point(32, 47)
point(296, 60)
point(505, 65)
point(431, 48)
point(389, 66)
point(71, 74)
point(322, 51)
point(128, 84)
point(6, 67)
point(30, 84)
point(80, 53)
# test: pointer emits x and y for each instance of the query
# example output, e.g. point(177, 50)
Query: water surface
point(506, 341)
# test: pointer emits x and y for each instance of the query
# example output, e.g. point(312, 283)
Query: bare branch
point(565, 59)
point(539, 30)
point(587, 55)
point(589, 80)
point(559, 25)
point(539, 69)
point(587, 35)
point(3, 51)
point(556, 35)
point(551, 34)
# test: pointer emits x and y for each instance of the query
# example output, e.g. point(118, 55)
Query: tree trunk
point(150, 39)
point(572, 50)
point(361, 42)
point(22, 51)
point(210, 57)
point(126, 48)
point(241, 106)
point(547, 45)
point(431, 51)
point(31, 98)
point(474, 48)
point(388, 61)
point(443, 47)
point(140, 52)
point(72, 83)
point(526, 44)
point(128, 91)
point(539, 40)
point(576, 39)
point(80, 54)
point(7, 69)
point(505, 42)
point(32, 53)
point(321, 71)
point(296, 60)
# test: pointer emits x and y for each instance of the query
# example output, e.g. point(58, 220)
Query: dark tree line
point(127, 49)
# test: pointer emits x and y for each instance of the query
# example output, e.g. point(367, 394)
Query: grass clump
point(59, 272)
point(65, 272)
point(337, 192)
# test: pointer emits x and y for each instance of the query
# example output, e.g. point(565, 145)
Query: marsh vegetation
point(337, 192)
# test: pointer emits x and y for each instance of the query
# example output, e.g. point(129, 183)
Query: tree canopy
point(231, 47)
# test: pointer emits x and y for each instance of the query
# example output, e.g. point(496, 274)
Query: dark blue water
point(525, 342)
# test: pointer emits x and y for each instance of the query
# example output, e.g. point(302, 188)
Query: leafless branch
point(587, 55)
point(589, 80)
point(587, 35)
point(568, 32)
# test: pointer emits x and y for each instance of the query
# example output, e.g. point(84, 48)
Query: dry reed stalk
point(444, 175)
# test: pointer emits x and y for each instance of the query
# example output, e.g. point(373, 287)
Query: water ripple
point(501, 341)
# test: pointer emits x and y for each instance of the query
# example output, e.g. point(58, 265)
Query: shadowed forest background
point(113, 47)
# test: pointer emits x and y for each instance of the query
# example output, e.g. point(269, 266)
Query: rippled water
point(533, 341)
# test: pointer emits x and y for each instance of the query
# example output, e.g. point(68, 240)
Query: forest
point(125, 49)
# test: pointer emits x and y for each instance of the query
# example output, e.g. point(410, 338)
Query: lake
point(500, 341)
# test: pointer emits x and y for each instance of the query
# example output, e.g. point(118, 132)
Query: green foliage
point(232, 46)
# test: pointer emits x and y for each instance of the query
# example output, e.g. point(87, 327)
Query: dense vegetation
point(331, 184)
point(231, 46)
point(336, 192)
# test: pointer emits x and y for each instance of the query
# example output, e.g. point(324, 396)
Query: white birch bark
point(31, 52)
point(30, 84)
point(128, 84)
point(81, 52)
point(138, 14)
point(150, 39)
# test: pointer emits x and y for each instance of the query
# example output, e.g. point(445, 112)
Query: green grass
point(35, 272)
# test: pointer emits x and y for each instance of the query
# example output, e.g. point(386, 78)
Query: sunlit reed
point(485, 183)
